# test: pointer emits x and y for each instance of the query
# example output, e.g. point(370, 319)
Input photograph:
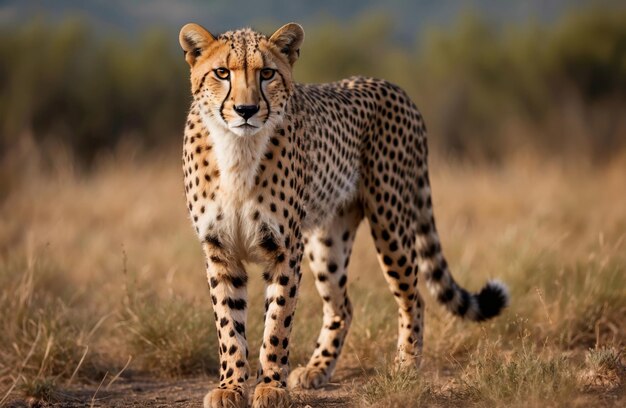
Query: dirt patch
point(146, 392)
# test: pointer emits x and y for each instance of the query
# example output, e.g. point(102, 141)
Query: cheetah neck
point(238, 158)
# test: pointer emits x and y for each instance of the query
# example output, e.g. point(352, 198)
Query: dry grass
point(388, 387)
point(172, 337)
point(102, 268)
point(527, 376)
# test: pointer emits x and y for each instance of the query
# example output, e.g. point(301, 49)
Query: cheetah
point(275, 170)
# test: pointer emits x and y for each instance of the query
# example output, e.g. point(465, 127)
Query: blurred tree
point(485, 91)
point(63, 83)
point(335, 50)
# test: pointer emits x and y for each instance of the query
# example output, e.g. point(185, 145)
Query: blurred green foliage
point(64, 83)
point(486, 91)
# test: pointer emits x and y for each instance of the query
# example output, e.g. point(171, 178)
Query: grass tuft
point(395, 388)
point(603, 369)
point(527, 377)
point(170, 337)
point(604, 358)
point(40, 389)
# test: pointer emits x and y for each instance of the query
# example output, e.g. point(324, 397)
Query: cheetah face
point(241, 80)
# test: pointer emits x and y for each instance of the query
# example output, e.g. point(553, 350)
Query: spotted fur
point(274, 170)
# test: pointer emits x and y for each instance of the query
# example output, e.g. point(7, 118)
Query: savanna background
point(103, 300)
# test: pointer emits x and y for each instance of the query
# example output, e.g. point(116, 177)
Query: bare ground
point(149, 392)
point(344, 391)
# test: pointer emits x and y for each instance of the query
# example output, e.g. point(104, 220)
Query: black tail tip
point(492, 299)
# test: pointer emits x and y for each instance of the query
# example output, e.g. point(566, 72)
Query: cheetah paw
point(219, 398)
point(270, 397)
point(307, 378)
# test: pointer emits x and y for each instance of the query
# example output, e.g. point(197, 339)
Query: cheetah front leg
point(227, 280)
point(328, 249)
point(282, 281)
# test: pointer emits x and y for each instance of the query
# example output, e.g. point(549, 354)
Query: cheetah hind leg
point(328, 249)
point(398, 261)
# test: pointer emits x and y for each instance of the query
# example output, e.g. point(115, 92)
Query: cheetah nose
point(246, 111)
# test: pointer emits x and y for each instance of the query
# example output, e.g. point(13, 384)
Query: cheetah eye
point(222, 73)
point(267, 74)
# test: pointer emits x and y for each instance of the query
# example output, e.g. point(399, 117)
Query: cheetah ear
point(194, 39)
point(288, 39)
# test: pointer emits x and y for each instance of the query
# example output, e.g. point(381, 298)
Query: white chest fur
point(238, 158)
point(234, 223)
point(229, 209)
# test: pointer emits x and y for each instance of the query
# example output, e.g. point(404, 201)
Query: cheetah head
point(241, 80)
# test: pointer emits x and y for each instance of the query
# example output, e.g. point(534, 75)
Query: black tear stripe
point(269, 109)
point(227, 93)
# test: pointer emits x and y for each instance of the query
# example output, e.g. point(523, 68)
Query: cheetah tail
point(487, 303)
